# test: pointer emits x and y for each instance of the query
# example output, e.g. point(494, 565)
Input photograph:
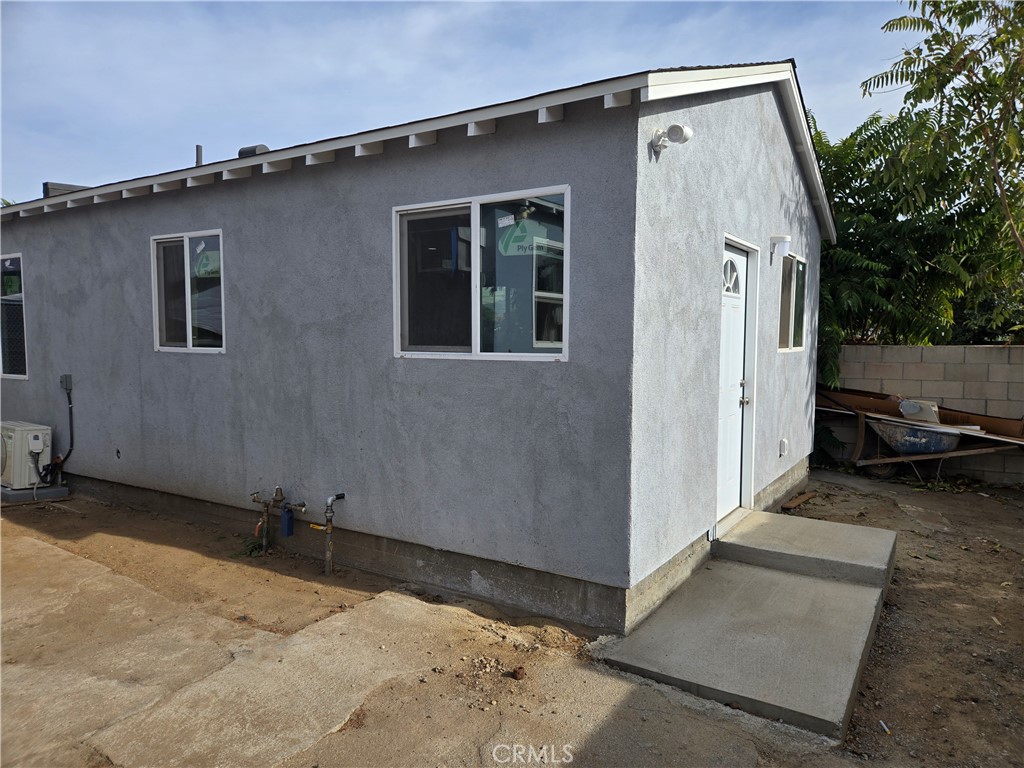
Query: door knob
point(744, 401)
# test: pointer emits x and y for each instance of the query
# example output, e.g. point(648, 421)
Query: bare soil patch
point(946, 671)
point(200, 564)
point(945, 674)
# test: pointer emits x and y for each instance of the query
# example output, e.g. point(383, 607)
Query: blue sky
point(99, 92)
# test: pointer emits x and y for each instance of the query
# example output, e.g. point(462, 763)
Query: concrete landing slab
point(27, 495)
point(780, 645)
point(818, 548)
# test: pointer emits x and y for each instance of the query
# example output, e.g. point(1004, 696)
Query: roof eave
point(653, 85)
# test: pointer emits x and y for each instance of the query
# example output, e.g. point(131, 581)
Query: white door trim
point(749, 366)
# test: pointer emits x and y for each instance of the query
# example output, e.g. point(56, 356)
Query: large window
point(791, 309)
point(188, 293)
point(484, 277)
point(12, 317)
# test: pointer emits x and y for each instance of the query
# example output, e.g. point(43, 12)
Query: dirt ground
point(946, 670)
point(945, 675)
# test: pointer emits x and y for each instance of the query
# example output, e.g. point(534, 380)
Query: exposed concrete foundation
point(793, 481)
point(642, 599)
point(599, 606)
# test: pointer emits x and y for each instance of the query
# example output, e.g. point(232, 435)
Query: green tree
point(966, 81)
point(892, 277)
point(928, 202)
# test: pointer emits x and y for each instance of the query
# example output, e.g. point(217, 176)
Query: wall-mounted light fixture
point(675, 134)
point(779, 247)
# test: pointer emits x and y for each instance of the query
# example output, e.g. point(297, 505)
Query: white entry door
point(730, 382)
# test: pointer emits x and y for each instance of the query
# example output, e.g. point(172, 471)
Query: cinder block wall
point(982, 379)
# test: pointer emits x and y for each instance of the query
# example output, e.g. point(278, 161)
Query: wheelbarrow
point(912, 443)
point(908, 439)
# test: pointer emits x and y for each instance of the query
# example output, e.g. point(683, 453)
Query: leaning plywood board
point(878, 403)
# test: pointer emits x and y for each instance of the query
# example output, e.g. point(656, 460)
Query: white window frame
point(188, 348)
point(24, 319)
point(797, 258)
point(474, 204)
point(545, 296)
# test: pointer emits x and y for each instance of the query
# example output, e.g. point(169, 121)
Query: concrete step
point(819, 548)
point(777, 644)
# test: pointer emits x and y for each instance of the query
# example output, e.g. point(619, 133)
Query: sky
point(96, 92)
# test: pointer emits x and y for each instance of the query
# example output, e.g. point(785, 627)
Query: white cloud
point(97, 92)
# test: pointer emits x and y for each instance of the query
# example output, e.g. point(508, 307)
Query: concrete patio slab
point(817, 548)
point(137, 648)
point(780, 645)
point(276, 701)
point(99, 670)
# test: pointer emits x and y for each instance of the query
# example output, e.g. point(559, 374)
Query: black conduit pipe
point(50, 471)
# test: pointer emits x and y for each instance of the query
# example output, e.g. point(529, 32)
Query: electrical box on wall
point(22, 443)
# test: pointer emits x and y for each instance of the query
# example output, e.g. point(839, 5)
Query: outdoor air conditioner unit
point(21, 441)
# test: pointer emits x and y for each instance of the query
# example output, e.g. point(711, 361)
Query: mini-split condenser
point(22, 442)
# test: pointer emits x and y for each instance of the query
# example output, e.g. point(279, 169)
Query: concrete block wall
point(981, 379)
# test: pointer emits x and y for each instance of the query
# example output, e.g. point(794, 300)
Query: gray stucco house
point(550, 348)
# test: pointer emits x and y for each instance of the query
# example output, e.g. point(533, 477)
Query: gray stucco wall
point(521, 462)
point(737, 175)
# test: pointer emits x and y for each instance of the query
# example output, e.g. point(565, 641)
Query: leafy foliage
point(928, 202)
point(965, 80)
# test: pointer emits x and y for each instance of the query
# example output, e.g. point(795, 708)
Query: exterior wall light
point(675, 134)
point(779, 247)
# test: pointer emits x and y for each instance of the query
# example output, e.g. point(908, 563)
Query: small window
point(12, 317)
point(730, 278)
point(484, 277)
point(188, 293)
point(791, 310)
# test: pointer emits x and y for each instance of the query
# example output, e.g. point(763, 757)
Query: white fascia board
point(807, 156)
point(720, 73)
point(483, 117)
point(666, 85)
point(669, 90)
